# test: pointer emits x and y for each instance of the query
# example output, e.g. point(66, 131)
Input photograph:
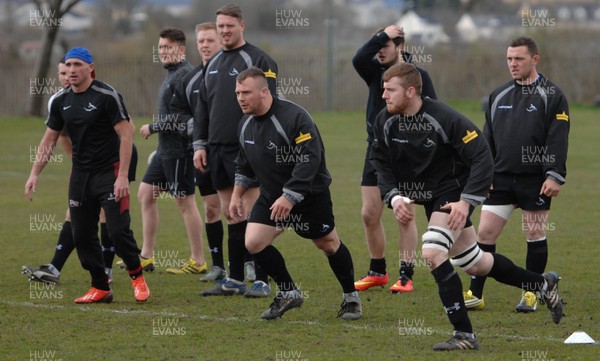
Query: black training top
point(89, 118)
point(371, 71)
point(443, 148)
point(284, 151)
point(218, 113)
point(173, 141)
point(527, 128)
point(185, 99)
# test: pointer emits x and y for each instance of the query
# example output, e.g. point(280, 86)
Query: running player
point(281, 147)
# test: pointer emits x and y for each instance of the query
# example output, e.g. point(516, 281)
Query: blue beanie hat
point(81, 54)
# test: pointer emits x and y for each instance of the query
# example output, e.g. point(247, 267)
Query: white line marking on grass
point(366, 327)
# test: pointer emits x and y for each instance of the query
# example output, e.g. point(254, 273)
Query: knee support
point(468, 258)
point(438, 238)
point(503, 211)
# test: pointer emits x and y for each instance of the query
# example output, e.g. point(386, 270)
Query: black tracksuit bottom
point(88, 192)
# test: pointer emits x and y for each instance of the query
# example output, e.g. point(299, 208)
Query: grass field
point(42, 322)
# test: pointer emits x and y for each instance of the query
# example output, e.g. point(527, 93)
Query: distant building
point(422, 30)
point(474, 27)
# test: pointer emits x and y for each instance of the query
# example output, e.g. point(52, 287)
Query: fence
point(456, 74)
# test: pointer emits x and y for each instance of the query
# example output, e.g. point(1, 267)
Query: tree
point(50, 14)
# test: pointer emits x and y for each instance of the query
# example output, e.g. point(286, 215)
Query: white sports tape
point(438, 238)
point(402, 198)
point(503, 211)
point(468, 258)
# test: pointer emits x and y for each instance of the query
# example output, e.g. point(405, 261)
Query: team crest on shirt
point(90, 107)
point(562, 116)
point(303, 138)
point(470, 136)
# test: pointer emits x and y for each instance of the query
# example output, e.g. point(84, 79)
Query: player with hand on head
point(383, 50)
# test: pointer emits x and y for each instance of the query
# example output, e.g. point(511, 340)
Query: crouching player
point(452, 159)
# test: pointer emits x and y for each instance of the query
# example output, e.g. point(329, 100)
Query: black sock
point(271, 262)
point(407, 269)
point(237, 249)
point(64, 246)
point(214, 233)
point(378, 265)
point(450, 290)
point(343, 268)
point(505, 271)
point(537, 256)
point(108, 248)
point(477, 282)
point(261, 275)
point(247, 256)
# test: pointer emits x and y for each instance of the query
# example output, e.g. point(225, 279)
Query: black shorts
point(174, 176)
point(133, 164)
point(442, 198)
point(521, 190)
point(204, 183)
point(311, 219)
point(369, 175)
point(221, 160)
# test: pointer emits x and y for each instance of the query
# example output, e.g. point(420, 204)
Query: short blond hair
point(205, 26)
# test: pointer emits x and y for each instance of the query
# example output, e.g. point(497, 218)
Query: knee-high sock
point(450, 290)
point(478, 282)
point(343, 268)
point(271, 262)
point(64, 246)
point(505, 271)
point(237, 249)
point(537, 255)
point(214, 234)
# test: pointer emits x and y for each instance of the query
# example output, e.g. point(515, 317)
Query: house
point(473, 27)
point(422, 30)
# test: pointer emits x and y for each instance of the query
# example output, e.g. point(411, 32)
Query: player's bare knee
point(253, 245)
point(212, 213)
point(535, 231)
point(370, 217)
point(146, 194)
point(328, 245)
point(486, 236)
